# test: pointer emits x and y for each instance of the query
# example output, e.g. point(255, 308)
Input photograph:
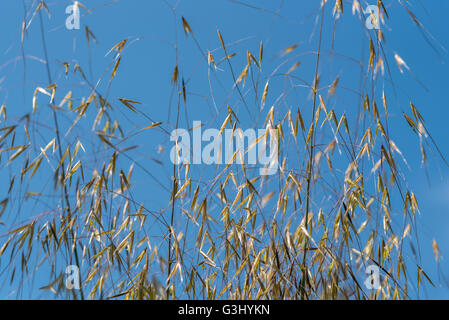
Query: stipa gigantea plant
point(337, 205)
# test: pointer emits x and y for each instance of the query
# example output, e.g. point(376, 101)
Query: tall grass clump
point(87, 178)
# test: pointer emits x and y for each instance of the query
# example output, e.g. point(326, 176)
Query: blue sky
point(150, 57)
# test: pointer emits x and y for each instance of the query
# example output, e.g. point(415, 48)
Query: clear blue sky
point(149, 59)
